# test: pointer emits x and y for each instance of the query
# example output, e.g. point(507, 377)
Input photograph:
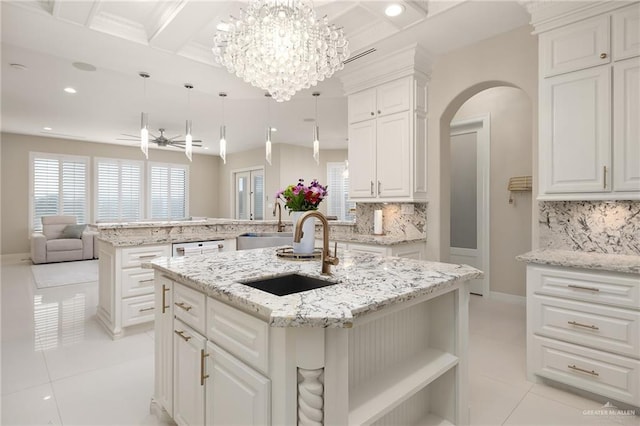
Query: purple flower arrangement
point(300, 198)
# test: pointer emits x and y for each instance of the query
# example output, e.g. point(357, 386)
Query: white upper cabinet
point(575, 132)
point(362, 106)
point(626, 32)
point(362, 159)
point(626, 125)
point(574, 47)
point(589, 146)
point(393, 151)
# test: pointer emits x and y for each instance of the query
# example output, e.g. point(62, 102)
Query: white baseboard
point(15, 258)
point(509, 298)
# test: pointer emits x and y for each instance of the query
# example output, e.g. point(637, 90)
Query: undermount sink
point(252, 240)
point(288, 284)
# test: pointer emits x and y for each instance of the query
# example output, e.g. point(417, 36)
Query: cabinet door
point(362, 106)
point(188, 375)
point(236, 394)
point(626, 32)
point(393, 156)
point(394, 97)
point(362, 159)
point(626, 125)
point(163, 341)
point(575, 132)
point(573, 47)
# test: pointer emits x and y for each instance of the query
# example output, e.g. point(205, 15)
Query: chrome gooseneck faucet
point(327, 260)
point(278, 207)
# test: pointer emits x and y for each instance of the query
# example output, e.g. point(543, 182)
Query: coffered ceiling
point(172, 40)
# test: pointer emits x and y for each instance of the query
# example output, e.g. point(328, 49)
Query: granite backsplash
point(590, 226)
point(394, 222)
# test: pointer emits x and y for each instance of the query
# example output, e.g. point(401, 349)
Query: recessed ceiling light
point(84, 66)
point(18, 67)
point(273, 129)
point(206, 147)
point(70, 90)
point(394, 10)
point(47, 128)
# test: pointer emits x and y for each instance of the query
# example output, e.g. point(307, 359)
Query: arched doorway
point(490, 142)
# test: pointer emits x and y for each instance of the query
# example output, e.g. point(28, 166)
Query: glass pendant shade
point(144, 134)
point(188, 140)
point(280, 46)
point(316, 144)
point(268, 146)
point(223, 144)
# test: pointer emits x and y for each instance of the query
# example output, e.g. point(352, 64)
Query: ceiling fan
point(162, 140)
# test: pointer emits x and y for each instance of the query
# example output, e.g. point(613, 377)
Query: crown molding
point(550, 14)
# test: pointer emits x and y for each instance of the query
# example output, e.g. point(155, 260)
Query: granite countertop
point(576, 259)
point(200, 222)
point(366, 283)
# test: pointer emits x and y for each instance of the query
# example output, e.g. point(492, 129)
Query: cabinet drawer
point(189, 306)
point(605, 374)
point(600, 327)
point(244, 336)
point(574, 47)
point(137, 281)
point(598, 287)
point(134, 256)
point(138, 310)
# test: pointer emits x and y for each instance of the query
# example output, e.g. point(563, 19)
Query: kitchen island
point(384, 341)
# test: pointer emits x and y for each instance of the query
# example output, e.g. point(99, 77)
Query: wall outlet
point(407, 209)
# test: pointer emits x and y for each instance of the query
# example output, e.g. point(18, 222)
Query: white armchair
point(61, 240)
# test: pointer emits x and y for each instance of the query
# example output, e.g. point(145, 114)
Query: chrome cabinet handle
point(603, 55)
point(203, 376)
point(579, 287)
point(592, 327)
point(371, 187)
point(220, 246)
point(372, 113)
point(582, 370)
point(146, 281)
point(164, 300)
point(183, 306)
point(604, 174)
point(379, 184)
point(181, 334)
point(146, 309)
point(149, 256)
point(379, 112)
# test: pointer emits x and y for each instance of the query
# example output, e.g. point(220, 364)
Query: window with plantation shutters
point(118, 190)
point(168, 189)
point(58, 187)
point(338, 192)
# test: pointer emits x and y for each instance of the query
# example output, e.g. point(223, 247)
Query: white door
point(188, 390)
point(236, 393)
point(470, 198)
point(249, 194)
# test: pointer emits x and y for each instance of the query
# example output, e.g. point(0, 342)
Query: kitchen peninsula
point(384, 339)
point(126, 301)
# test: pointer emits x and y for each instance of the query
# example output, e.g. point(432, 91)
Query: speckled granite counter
point(365, 284)
point(598, 261)
point(159, 232)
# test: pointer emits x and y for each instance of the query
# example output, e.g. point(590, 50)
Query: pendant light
point(223, 132)
point(188, 139)
point(268, 142)
point(144, 120)
point(316, 133)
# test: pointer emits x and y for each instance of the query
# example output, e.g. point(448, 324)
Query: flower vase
point(307, 242)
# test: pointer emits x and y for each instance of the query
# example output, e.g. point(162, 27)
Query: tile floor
point(60, 368)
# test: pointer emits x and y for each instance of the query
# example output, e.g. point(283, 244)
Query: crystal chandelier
point(279, 46)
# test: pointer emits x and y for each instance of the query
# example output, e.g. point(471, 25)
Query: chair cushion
point(64, 244)
point(73, 231)
point(52, 226)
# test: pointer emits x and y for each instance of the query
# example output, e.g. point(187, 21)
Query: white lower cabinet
point(235, 393)
point(583, 330)
point(408, 250)
point(163, 340)
point(189, 375)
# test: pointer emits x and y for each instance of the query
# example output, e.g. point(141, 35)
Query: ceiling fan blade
point(125, 139)
point(130, 136)
point(195, 141)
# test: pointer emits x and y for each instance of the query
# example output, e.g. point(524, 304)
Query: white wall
point(509, 59)
point(511, 140)
point(203, 175)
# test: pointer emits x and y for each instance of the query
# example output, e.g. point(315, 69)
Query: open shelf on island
point(433, 420)
point(381, 394)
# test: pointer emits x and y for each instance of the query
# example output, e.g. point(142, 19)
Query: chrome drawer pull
point(149, 256)
point(181, 334)
point(579, 287)
point(202, 365)
point(592, 327)
point(582, 370)
point(146, 309)
point(183, 306)
point(146, 281)
point(164, 292)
